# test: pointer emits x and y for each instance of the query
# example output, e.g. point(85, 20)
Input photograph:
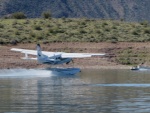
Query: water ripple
point(121, 85)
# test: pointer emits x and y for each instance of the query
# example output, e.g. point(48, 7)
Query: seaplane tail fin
point(39, 52)
point(40, 57)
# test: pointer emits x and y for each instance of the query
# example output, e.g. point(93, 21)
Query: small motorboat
point(135, 68)
point(140, 68)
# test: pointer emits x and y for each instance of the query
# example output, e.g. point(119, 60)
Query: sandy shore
point(11, 59)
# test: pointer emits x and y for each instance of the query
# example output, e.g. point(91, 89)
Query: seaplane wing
point(62, 54)
point(54, 58)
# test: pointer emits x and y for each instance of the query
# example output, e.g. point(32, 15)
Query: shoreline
point(10, 59)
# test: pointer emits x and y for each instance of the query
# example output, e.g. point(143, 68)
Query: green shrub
point(18, 15)
point(1, 26)
point(135, 32)
point(32, 34)
point(17, 33)
point(147, 31)
point(37, 27)
point(46, 15)
point(82, 31)
point(145, 23)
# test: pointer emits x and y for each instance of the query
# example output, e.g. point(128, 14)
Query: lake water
point(90, 91)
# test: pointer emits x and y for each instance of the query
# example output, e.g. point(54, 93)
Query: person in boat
point(142, 65)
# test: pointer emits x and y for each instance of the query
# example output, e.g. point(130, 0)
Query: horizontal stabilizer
point(28, 58)
point(16, 49)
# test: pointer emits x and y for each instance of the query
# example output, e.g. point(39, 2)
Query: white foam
point(25, 73)
point(37, 72)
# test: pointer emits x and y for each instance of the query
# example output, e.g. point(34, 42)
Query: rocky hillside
point(129, 10)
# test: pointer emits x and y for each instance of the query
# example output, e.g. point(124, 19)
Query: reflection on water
point(91, 91)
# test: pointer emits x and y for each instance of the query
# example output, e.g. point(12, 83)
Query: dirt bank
point(11, 59)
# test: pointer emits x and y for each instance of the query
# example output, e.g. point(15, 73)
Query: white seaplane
point(53, 58)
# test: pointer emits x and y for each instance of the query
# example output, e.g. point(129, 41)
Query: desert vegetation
point(72, 30)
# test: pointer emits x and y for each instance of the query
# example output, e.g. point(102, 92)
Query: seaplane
point(53, 58)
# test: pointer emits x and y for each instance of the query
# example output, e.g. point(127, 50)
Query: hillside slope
point(72, 30)
point(129, 10)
